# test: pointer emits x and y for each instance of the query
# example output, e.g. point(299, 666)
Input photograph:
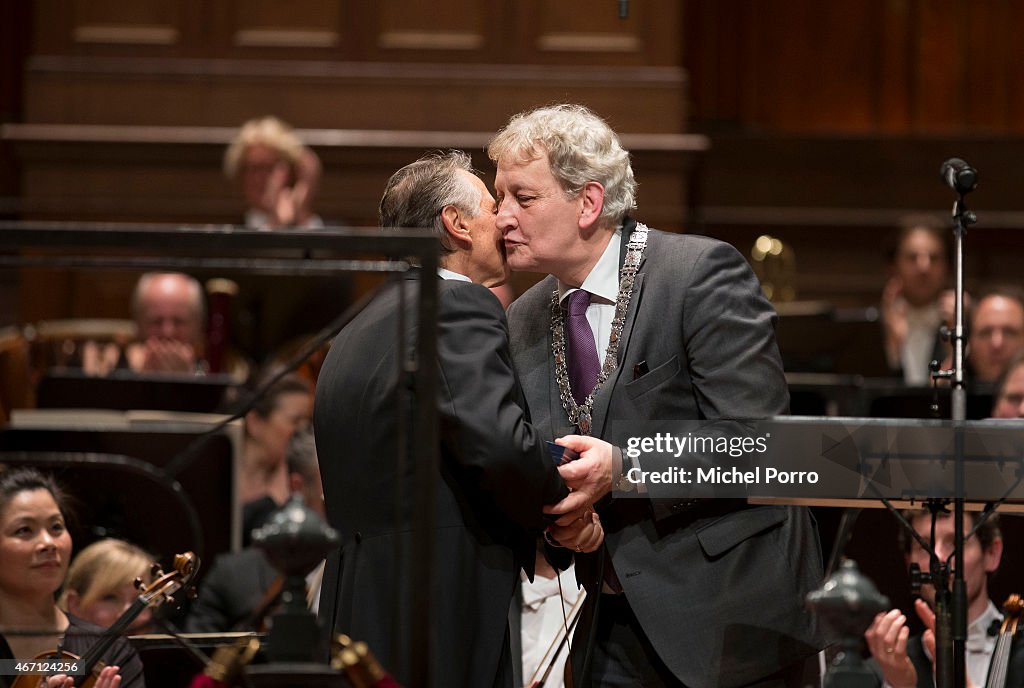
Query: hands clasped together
point(589, 478)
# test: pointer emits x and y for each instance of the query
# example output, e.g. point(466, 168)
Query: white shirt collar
point(603, 280)
point(445, 273)
point(978, 629)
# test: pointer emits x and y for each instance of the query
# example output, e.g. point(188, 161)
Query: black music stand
point(124, 390)
point(115, 473)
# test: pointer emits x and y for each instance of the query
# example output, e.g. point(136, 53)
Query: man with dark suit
point(495, 474)
point(704, 594)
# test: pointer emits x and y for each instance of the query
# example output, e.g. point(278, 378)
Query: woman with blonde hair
point(100, 585)
point(278, 175)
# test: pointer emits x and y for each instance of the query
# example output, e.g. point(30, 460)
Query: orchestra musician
point(35, 548)
point(100, 583)
point(905, 661)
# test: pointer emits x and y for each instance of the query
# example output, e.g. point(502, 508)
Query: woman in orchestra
point(35, 548)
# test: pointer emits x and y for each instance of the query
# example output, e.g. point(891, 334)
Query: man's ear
point(992, 555)
point(253, 423)
point(592, 202)
point(455, 226)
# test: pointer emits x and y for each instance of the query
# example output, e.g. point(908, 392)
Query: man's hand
point(169, 356)
point(108, 678)
point(585, 534)
point(589, 477)
point(887, 641)
point(894, 320)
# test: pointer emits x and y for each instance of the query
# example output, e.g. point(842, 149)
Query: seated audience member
point(915, 301)
point(170, 311)
point(905, 661)
point(100, 583)
point(35, 548)
point(263, 483)
point(996, 332)
point(278, 175)
point(238, 583)
point(1008, 400)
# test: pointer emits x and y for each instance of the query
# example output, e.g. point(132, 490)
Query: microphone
point(959, 176)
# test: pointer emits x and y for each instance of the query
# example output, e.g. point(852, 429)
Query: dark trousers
point(622, 656)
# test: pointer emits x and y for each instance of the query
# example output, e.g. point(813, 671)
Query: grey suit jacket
point(718, 586)
point(494, 477)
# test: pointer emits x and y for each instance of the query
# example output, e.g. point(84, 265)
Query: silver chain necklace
point(580, 414)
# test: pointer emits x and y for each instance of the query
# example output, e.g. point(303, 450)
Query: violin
point(161, 590)
point(1012, 608)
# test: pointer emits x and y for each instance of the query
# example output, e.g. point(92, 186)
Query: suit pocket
point(660, 375)
point(722, 534)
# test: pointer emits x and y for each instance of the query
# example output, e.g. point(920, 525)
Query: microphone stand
point(951, 610)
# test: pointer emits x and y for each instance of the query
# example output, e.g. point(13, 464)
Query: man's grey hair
point(189, 283)
point(416, 194)
point(580, 148)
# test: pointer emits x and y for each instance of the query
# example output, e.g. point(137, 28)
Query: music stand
point(124, 390)
point(113, 465)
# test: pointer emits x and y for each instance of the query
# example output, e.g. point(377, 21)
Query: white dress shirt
point(603, 285)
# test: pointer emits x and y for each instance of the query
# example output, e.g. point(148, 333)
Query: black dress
point(78, 638)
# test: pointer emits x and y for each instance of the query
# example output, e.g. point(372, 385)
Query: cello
point(85, 669)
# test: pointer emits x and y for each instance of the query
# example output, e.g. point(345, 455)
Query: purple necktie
point(584, 366)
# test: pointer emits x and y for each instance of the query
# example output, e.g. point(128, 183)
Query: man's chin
point(522, 264)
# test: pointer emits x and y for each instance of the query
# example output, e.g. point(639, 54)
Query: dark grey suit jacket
point(495, 476)
point(718, 587)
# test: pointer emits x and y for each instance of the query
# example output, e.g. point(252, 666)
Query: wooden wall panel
point(344, 95)
point(926, 67)
point(583, 32)
point(141, 22)
point(892, 68)
point(443, 25)
point(261, 29)
point(163, 28)
point(454, 64)
point(941, 66)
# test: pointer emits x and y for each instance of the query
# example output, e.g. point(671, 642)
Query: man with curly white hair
point(701, 593)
